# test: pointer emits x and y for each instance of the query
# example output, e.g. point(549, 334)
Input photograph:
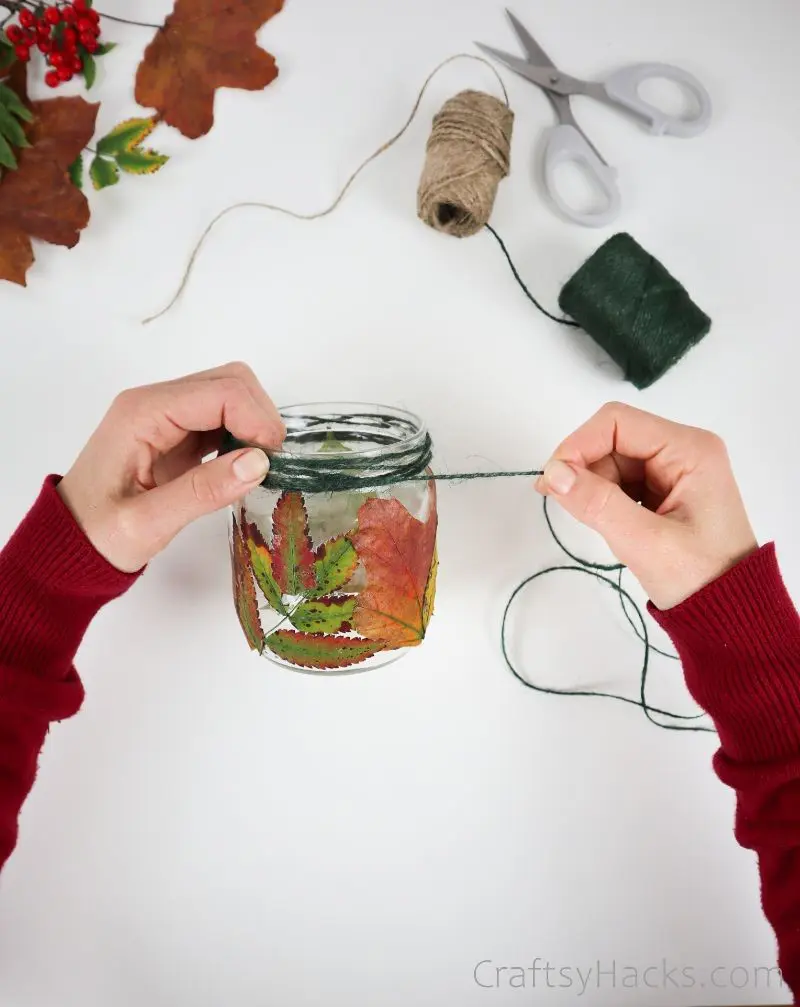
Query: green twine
point(402, 462)
point(632, 307)
point(599, 571)
point(321, 472)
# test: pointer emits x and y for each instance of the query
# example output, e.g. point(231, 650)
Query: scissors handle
point(565, 144)
point(622, 88)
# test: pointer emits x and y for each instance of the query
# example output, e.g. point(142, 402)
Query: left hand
point(140, 480)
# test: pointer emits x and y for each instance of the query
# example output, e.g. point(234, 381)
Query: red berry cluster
point(64, 34)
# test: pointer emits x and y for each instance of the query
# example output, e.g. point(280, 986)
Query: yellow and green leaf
point(333, 444)
point(125, 136)
point(103, 173)
point(261, 561)
point(316, 650)
point(325, 615)
point(335, 565)
point(140, 162)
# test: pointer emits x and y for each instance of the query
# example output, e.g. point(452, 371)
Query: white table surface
point(213, 830)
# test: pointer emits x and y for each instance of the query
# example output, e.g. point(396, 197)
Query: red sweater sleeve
point(739, 643)
point(52, 583)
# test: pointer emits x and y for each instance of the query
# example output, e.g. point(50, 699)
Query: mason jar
point(334, 555)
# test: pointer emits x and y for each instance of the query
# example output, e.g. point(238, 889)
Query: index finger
point(164, 414)
point(237, 369)
point(620, 429)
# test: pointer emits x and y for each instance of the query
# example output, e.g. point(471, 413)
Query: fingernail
point(539, 485)
point(251, 466)
point(559, 477)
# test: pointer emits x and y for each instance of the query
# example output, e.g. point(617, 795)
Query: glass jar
point(336, 581)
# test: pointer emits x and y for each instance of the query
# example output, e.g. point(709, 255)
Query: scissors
point(567, 141)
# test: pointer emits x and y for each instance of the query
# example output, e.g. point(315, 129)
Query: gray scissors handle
point(622, 88)
point(565, 144)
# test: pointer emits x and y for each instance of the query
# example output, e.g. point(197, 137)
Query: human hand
point(140, 480)
point(691, 526)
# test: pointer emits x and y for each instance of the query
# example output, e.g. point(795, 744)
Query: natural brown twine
point(486, 129)
point(468, 154)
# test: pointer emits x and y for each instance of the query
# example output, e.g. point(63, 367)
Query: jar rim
point(410, 430)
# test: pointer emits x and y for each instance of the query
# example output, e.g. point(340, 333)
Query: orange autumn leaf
point(203, 45)
point(399, 557)
point(39, 200)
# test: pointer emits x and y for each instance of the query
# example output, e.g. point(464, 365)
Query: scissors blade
point(535, 74)
point(536, 54)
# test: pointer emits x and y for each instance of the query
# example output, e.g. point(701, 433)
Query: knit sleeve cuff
point(739, 642)
point(52, 584)
point(51, 550)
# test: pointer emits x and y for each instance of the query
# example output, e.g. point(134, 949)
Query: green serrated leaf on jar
point(319, 650)
point(325, 615)
point(332, 443)
point(261, 562)
point(335, 565)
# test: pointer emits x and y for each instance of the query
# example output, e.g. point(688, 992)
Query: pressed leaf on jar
point(398, 552)
point(318, 650)
point(293, 559)
point(244, 588)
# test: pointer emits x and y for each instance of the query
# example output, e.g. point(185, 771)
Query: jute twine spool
point(467, 155)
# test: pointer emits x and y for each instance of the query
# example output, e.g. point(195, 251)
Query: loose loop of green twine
point(599, 571)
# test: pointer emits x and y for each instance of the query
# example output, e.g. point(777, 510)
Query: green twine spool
point(632, 307)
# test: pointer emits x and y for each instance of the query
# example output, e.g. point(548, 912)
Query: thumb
point(598, 503)
point(161, 513)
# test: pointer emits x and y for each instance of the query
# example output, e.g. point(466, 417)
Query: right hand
point(691, 526)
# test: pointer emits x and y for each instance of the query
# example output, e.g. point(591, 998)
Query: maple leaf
point(292, 552)
point(39, 200)
point(203, 45)
point(399, 557)
point(316, 650)
point(244, 588)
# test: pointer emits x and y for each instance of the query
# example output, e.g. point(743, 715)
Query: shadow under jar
point(334, 560)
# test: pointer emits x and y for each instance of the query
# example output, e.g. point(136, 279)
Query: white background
point(213, 830)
